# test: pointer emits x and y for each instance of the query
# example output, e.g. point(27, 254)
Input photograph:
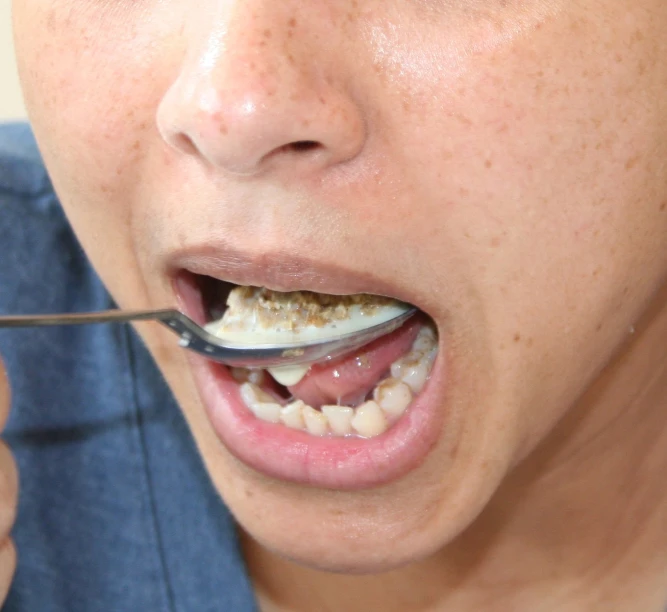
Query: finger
point(4, 395)
point(9, 490)
point(7, 566)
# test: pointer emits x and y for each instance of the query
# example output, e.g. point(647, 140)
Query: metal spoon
point(196, 338)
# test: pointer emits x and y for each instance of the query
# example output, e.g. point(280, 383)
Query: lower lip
point(327, 462)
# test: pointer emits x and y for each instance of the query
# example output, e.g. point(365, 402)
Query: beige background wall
point(11, 105)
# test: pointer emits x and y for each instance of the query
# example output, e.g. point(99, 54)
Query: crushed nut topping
point(293, 310)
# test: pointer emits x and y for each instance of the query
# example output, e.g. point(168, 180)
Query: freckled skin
point(502, 162)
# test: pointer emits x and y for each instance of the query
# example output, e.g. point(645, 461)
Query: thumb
point(4, 395)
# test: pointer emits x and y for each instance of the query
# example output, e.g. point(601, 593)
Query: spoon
point(196, 338)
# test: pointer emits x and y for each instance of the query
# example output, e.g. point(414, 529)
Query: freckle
point(599, 327)
point(663, 206)
point(503, 128)
point(596, 272)
point(632, 162)
point(618, 58)
point(136, 145)
point(488, 163)
point(290, 58)
point(267, 33)
point(142, 125)
point(292, 23)
point(626, 290)
point(517, 337)
point(223, 129)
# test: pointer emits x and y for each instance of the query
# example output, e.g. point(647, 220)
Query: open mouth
point(342, 407)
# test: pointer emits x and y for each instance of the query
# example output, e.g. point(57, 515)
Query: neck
point(580, 525)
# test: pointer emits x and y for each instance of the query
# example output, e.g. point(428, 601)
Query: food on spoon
point(256, 316)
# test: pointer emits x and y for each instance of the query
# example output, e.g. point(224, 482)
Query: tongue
point(348, 380)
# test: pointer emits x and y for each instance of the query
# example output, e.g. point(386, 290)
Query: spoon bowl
point(195, 338)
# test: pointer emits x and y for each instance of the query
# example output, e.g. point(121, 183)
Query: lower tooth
point(316, 422)
point(425, 341)
point(369, 420)
point(340, 419)
point(414, 375)
point(266, 411)
point(252, 394)
point(393, 396)
point(292, 415)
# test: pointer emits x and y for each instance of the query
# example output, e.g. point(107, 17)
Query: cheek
point(92, 84)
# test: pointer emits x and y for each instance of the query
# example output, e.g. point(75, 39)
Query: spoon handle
point(82, 318)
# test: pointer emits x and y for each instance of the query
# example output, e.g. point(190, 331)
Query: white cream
point(253, 333)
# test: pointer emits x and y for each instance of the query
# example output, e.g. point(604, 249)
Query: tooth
point(256, 377)
point(316, 422)
point(340, 419)
point(414, 374)
point(239, 374)
point(292, 415)
point(398, 366)
point(393, 396)
point(289, 375)
point(252, 394)
point(369, 420)
point(266, 411)
point(425, 341)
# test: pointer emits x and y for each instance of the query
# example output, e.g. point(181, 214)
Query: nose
point(256, 90)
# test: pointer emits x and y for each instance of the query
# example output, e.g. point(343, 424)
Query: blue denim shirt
point(116, 511)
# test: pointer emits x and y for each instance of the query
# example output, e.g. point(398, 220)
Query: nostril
point(302, 146)
point(184, 143)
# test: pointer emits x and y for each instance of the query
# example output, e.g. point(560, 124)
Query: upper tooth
point(369, 420)
point(239, 374)
point(256, 377)
point(340, 418)
point(289, 375)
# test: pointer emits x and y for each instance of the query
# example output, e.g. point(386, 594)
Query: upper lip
point(280, 271)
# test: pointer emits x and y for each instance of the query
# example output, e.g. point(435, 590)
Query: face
point(497, 164)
